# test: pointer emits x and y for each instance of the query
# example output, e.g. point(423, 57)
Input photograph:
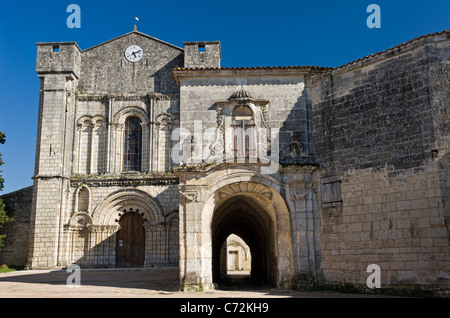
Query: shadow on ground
point(162, 280)
point(138, 283)
point(241, 282)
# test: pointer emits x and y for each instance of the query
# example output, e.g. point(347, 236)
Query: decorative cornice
point(179, 72)
point(125, 97)
point(156, 181)
point(91, 228)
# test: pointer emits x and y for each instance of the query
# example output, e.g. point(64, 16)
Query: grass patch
point(4, 269)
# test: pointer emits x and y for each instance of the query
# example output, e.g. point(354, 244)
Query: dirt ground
point(128, 284)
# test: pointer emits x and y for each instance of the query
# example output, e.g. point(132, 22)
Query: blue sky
point(252, 33)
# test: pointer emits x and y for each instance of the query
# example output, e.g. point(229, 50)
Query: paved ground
point(127, 284)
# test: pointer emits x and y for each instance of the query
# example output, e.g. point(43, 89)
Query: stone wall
point(104, 68)
point(381, 132)
point(15, 251)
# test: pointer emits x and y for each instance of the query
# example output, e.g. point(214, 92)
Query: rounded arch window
point(132, 144)
point(83, 199)
point(242, 112)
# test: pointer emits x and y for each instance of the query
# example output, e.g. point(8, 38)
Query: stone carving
point(125, 97)
point(131, 210)
point(190, 196)
point(123, 183)
point(245, 187)
point(299, 194)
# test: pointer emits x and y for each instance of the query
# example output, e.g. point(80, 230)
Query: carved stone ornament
point(190, 196)
point(126, 97)
point(245, 187)
point(299, 194)
point(130, 210)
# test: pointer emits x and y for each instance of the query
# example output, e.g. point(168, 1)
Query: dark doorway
point(130, 244)
point(242, 217)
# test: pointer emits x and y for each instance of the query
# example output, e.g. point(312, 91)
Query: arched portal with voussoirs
point(245, 204)
point(126, 229)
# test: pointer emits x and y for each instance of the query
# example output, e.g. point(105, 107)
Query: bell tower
point(58, 67)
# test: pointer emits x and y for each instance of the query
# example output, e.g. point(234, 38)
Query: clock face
point(133, 53)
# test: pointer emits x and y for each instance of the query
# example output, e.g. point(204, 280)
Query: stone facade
point(85, 100)
point(320, 171)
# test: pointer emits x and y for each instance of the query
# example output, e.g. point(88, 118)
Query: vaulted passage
point(242, 216)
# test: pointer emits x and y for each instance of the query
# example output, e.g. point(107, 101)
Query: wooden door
point(130, 245)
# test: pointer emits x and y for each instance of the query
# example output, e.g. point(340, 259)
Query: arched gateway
point(245, 204)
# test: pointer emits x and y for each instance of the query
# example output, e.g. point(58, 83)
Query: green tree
point(4, 218)
point(2, 141)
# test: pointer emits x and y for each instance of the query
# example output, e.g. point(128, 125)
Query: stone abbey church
point(151, 155)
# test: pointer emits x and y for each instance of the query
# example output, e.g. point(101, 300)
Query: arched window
point(242, 112)
point(133, 145)
point(83, 200)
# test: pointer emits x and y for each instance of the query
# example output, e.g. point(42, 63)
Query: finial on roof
point(137, 19)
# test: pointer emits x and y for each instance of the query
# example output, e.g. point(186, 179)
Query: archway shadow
point(239, 216)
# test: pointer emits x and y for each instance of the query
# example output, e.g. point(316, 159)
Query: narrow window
point(83, 200)
point(56, 48)
point(133, 144)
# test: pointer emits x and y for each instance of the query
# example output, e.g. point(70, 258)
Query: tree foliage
point(2, 141)
point(4, 218)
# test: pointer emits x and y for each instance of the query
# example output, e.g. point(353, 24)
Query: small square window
point(201, 48)
point(56, 48)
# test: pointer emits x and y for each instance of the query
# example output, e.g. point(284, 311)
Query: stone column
point(109, 135)
point(304, 219)
point(79, 130)
point(117, 148)
point(91, 148)
point(195, 246)
point(145, 147)
point(299, 221)
point(151, 127)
